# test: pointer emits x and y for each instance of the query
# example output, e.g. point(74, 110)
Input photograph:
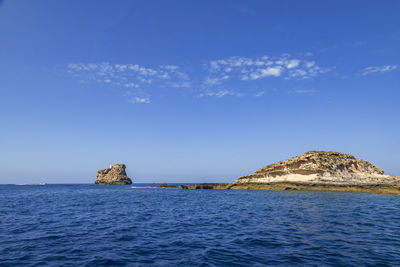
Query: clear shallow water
point(89, 225)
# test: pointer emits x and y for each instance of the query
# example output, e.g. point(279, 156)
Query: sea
point(99, 225)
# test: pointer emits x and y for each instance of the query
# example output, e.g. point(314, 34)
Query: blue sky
point(194, 91)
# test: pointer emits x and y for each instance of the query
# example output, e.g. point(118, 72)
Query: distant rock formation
point(165, 185)
point(115, 175)
point(215, 186)
point(316, 171)
point(319, 168)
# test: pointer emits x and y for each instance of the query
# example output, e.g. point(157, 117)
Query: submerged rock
point(115, 175)
point(321, 168)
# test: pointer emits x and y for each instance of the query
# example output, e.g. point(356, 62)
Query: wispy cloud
point(139, 79)
point(244, 72)
point(248, 69)
point(262, 73)
point(220, 93)
point(137, 97)
point(259, 94)
point(131, 85)
point(140, 100)
point(305, 91)
point(232, 76)
point(128, 75)
point(375, 69)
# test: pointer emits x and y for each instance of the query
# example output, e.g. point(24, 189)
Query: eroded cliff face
point(115, 175)
point(320, 167)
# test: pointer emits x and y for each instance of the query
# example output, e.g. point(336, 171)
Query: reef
point(164, 185)
point(116, 175)
point(215, 186)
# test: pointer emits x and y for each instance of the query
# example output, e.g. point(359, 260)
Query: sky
point(194, 91)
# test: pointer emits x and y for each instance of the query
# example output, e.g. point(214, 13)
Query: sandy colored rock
point(115, 175)
point(314, 171)
point(321, 168)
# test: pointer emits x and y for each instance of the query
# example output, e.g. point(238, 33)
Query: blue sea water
point(92, 225)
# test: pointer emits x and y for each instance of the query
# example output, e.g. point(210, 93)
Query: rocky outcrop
point(215, 186)
point(321, 168)
point(315, 171)
point(115, 175)
point(165, 185)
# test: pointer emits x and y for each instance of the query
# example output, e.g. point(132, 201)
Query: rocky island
point(315, 170)
point(115, 175)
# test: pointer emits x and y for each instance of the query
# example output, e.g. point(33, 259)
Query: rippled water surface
point(89, 225)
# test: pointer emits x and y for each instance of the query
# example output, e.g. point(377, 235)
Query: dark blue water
point(89, 225)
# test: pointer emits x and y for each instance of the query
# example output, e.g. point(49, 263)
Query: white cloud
point(131, 85)
point(126, 73)
point(310, 70)
point(249, 69)
point(212, 81)
point(305, 91)
point(170, 67)
point(299, 73)
point(140, 100)
point(228, 69)
point(309, 64)
point(234, 62)
point(271, 71)
point(292, 63)
point(375, 69)
point(240, 72)
point(137, 97)
point(140, 79)
point(261, 93)
point(183, 84)
point(220, 93)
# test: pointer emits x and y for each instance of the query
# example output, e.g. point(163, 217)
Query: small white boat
point(42, 183)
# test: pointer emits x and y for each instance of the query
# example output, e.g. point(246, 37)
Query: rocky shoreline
point(373, 188)
point(314, 171)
